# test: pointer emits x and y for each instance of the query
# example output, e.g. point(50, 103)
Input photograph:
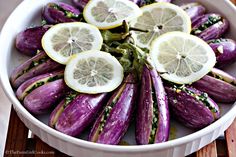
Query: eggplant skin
point(213, 31)
point(152, 81)
point(43, 98)
point(190, 111)
point(80, 113)
point(59, 12)
point(29, 40)
point(22, 73)
point(22, 91)
point(194, 10)
point(56, 113)
point(120, 116)
point(225, 50)
point(219, 90)
point(80, 4)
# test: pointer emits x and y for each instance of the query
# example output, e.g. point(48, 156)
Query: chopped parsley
point(213, 19)
point(203, 97)
point(154, 118)
point(108, 108)
point(69, 97)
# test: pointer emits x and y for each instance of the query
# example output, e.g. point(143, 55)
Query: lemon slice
point(63, 40)
point(107, 14)
point(182, 58)
point(157, 19)
point(93, 72)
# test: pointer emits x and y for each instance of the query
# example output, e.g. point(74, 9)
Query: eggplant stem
point(138, 30)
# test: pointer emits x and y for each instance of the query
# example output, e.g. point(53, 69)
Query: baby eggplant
point(41, 99)
point(69, 96)
point(192, 107)
point(29, 40)
point(37, 65)
point(114, 120)
point(80, 3)
point(153, 119)
point(35, 82)
point(194, 10)
point(210, 26)
point(225, 50)
point(59, 12)
point(76, 112)
point(219, 85)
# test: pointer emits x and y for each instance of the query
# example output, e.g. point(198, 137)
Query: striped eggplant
point(35, 82)
point(192, 107)
point(37, 65)
point(114, 120)
point(76, 112)
point(153, 119)
point(219, 85)
point(80, 4)
point(69, 96)
point(194, 10)
point(42, 98)
point(210, 26)
point(28, 42)
point(225, 50)
point(59, 12)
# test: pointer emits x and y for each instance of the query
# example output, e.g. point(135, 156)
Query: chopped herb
point(215, 41)
point(67, 13)
point(69, 97)
point(203, 97)
point(108, 109)
point(43, 22)
point(38, 84)
point(154, 118)
point(33, 64)
point(42, 82)
point(51, 79)
point(213, 19)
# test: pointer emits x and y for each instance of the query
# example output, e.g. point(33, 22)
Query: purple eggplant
point(28, 41)
point(194, 10)
point(70, 96)
point(37, 65)
point(146, 2)
point(36, 82)
point(41, 99)
point(192, 107)
point(225, 50)
point(210, 26)
point(153, 119)
point(80, 3)
point(76, 112)
point(114, 121)
point(59, 12)
point(219, 85)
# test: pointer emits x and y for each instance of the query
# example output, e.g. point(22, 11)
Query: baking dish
point(186, 141)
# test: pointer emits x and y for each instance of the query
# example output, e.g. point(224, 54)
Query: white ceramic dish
point(187, 142)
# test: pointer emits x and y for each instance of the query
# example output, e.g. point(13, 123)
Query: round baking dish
point(186, 142)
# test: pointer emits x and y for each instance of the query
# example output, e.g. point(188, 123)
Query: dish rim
point(4, 79)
